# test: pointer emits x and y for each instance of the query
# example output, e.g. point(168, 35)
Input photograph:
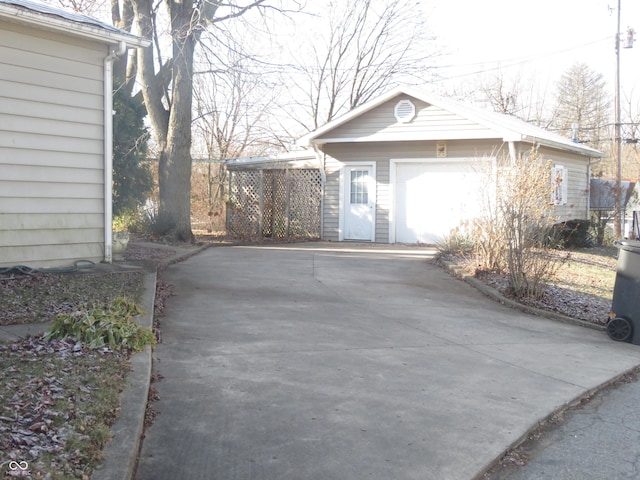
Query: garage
point(417, 151)
point(431, 197)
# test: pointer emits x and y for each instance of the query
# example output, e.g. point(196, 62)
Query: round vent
point(405, 111)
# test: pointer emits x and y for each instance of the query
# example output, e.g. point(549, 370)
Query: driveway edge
point(491, 292)
point(542, 423)
point(121, 453)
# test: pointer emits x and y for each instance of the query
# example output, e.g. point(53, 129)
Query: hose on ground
point(25, 270)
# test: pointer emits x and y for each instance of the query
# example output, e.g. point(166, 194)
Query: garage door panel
point(433, 198)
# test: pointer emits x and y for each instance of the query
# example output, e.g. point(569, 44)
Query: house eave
point(44, 21)
point(502, 129)
point(576, 148)
point(409, 137)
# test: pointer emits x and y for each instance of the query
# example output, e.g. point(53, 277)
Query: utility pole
point(617, 140)
point(619, 218)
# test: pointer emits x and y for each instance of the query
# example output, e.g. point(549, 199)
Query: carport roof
point(507, 127)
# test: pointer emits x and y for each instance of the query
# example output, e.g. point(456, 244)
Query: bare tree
point(232, 102)
point(167, 88)
point(364, 47)
point(93, 8)
point(503, 95)
point(583, 106)
point(519, 95)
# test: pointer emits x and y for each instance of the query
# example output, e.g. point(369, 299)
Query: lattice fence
point(274, 203)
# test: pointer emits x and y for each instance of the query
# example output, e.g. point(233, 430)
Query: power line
point(508, 63)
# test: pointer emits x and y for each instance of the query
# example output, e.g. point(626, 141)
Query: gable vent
point(404, 111)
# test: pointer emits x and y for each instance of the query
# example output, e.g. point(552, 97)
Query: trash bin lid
point(629, 245)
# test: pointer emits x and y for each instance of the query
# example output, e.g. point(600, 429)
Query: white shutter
point(559, 180)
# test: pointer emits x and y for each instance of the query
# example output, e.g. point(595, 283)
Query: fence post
point(261, 204)
point(227, 203)
point(287, 202)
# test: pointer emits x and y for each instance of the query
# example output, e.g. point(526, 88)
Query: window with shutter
point(559, 179)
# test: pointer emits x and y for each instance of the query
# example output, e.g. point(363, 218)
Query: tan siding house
point(55, 134)
point(401, 167)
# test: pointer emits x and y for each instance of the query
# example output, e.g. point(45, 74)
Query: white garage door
point(433, 198)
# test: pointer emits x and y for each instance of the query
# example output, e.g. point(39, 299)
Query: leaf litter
point(57, 402)
point(58, 399)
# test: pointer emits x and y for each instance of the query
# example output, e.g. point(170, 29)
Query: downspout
point(512, 151)
point(108, 147)
point(589, 189)
point(323, 181)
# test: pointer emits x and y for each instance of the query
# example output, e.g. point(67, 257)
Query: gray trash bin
point(624, 322)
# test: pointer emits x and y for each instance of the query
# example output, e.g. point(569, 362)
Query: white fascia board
point(579, 149)
point(68, 27)
point(399, 137)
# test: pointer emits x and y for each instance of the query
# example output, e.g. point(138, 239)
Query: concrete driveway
point(320, 361)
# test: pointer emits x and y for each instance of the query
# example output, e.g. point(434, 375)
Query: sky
point(542, 37)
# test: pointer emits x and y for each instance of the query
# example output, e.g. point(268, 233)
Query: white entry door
point(359, 202)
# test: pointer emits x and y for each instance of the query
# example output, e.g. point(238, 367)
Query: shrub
point(128, 220)
point(602, 233)
point(132, 179)
point(457, 242)
point(100, 327)
point(573, 234)
point(512, 233)
point(157, 225)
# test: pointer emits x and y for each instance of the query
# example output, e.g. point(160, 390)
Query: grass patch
point(582, 287)
point(589, 271)
point(57, 403)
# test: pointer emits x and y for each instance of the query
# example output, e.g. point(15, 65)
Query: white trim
point(414, 136)
point(341, 199)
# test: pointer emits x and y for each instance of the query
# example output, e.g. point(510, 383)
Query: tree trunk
point(172, 128)
point(175, 165)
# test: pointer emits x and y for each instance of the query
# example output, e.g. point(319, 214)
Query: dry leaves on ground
point(57, 401)
point(140, 253)
point(582, 289)
point(39, 298)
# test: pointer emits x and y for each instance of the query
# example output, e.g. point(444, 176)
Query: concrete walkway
point(342, 361)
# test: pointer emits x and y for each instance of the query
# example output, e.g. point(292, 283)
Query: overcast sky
point(545, 36)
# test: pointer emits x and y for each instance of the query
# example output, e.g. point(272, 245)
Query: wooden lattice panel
point(274, 203)
point(243, 206)
point(304, 205)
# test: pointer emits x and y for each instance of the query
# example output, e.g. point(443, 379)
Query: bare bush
point(512, 235)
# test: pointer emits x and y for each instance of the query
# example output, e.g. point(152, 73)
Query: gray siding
point(51, 148)
point(381, 153)
point(337, 154)
point(430, 123)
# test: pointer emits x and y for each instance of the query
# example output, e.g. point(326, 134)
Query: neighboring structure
point(401, 167)
point(603, 204)
point(274, 197)
point(55, 134)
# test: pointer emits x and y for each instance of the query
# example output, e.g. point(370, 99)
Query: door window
point(359, 187)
